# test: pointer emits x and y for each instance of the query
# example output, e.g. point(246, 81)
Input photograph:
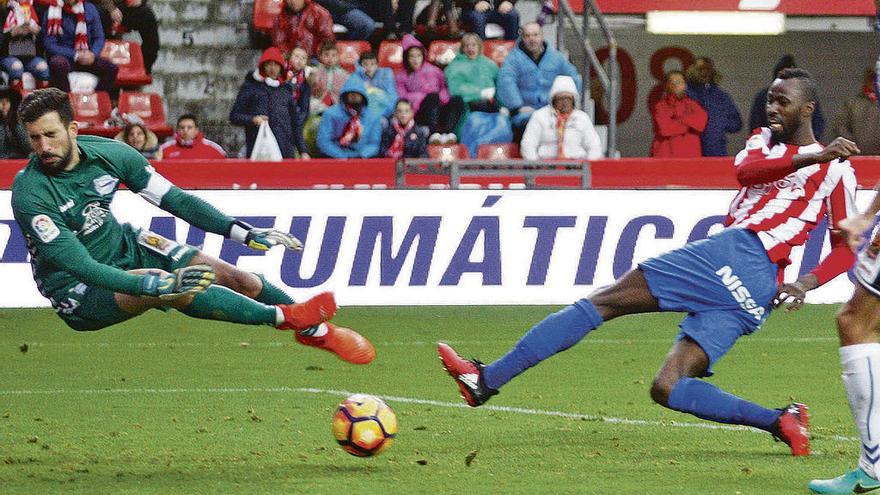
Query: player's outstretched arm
point(756, 168)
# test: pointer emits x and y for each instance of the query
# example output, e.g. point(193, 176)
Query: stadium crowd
point(313, 96)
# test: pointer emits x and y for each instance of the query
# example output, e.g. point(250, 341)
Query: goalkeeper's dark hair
point(43, 101)
point(807, 83)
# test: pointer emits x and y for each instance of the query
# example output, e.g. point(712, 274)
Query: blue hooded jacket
point(524, 83)
point(335, 118)
point(381, 89)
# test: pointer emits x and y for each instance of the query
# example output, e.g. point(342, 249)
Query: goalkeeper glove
point(262, 239)
point(187, 280)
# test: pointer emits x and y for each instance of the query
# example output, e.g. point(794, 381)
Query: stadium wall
point(418, 247)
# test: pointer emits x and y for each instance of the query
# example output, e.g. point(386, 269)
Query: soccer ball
point(364, 425)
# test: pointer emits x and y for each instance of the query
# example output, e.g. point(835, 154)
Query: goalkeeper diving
point(97, 272)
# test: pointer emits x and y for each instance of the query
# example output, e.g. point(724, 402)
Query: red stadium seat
point(350, 52)
point(497, 50)
point(498, 151)
point(265, 12)
point(448, 152)
point(391, 54)
point(439, 47)
point(128, 56)
point(90, 110)
point(149, 107)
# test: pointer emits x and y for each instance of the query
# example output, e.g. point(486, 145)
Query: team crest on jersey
point(105, 184)
point(755, 142)
point(45, 228)
point(94, 217)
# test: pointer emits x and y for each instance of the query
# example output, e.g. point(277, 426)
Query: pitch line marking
point(406, 400)
point(413, 343)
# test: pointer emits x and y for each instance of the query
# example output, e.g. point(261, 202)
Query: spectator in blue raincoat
point(350, 128)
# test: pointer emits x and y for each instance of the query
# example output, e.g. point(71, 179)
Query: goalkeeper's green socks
point(219, 303)
point(271, 294)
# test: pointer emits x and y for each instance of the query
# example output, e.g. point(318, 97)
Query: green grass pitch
point(165, 404)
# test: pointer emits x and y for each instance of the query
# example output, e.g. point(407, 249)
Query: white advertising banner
point(408, 247)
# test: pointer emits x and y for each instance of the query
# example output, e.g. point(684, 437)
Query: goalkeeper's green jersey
point(72, 236)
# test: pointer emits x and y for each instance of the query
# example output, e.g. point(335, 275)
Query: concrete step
point(183, 60)
point(220, 35)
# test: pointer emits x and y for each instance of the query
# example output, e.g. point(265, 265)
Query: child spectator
point(189, 143)
point(136, 135)
point(266, 96)
point(560, 130)
point(298, 76)
point(678, 121)
point(14, 141)
point(19, 45)
point(478, 13)
point(74, 38)
point(403, 138)
point(379, 81)
point(327, 78)
point(302, 23)
point(350, 128)
point(424, 85)
point(472, 76)
point(133, 15)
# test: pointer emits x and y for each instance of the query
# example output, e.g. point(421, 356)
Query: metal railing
point(610, 80)
point(527, 169)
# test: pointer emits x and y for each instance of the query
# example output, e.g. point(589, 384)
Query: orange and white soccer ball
point(364, 425)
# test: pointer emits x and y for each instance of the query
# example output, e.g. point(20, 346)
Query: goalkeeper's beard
point(61, 164)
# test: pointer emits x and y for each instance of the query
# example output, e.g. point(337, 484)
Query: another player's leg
point(245, 296)
point(677, 387)
point(554, 334)
point(858, 323)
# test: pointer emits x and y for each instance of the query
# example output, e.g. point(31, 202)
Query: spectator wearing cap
point(302, 23)
point(136, 135)
point(118, 16)
point(560, 130)
point(189, 143)
point(74, 38)
point(266, 96)
point(350, 128)
point(19, 48)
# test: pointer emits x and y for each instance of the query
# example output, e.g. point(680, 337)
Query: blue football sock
point(553, 334)
point(706, 401)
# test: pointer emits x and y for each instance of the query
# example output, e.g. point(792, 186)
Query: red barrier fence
point(626, 173)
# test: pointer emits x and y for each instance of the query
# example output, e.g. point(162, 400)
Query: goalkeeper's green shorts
point(93, 308)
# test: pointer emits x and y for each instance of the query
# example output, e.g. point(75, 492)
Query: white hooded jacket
point(580, 137)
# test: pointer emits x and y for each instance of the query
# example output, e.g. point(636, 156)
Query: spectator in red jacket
point(304, 24)
point(678, 121)
point(189, 143)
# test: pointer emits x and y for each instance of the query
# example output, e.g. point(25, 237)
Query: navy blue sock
point(553, 334)
point(706, 401)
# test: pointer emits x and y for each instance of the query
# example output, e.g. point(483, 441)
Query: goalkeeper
point(97, 272)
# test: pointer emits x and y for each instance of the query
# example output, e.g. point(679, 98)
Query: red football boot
point(344, 342)
point(300, 316)
point(468, 375)
point(792, 427)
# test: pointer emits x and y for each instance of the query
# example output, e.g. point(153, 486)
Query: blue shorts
point(725, 283)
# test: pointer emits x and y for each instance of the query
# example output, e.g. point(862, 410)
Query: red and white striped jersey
point(784, 211)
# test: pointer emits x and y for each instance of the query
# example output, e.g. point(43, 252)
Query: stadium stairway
point(206, 50)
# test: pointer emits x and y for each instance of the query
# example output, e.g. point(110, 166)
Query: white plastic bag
point(266, 146)
point(82, 82)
